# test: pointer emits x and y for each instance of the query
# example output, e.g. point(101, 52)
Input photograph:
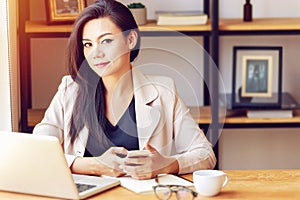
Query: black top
point(124, 134)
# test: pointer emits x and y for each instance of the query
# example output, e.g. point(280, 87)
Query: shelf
point(239, 117)
point(266, 25)
point(36, 115)
point(258, 24)
point(226, 26)
point(40, 27)
point(245, 120)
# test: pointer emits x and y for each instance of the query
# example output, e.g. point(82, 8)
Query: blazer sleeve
point(194, 151)
point(55, 122)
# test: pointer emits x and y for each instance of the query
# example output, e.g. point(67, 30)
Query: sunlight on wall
point(5, 105)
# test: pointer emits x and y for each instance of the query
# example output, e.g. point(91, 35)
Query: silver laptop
point(35, 164)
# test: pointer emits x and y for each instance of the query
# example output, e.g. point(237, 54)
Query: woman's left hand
point(146, 167)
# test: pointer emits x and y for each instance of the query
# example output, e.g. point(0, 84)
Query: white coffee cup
point(209, 182)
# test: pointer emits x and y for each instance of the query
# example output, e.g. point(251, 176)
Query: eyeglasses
point(164, 192)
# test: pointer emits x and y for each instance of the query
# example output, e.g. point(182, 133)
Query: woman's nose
point(98, 52)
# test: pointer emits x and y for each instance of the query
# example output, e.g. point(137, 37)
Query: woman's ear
point(132, 39)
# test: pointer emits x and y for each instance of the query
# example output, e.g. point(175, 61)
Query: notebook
point(35, 164)
point(146, 186)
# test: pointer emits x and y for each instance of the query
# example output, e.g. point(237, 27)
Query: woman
point(107, 107)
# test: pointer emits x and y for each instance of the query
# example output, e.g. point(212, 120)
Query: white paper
point(145, 186)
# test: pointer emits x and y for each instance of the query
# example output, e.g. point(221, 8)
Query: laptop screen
point(36, 164)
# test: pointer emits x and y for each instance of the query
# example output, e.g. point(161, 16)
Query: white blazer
point(162, 120)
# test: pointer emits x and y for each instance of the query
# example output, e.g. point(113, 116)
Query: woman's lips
point(102, 64)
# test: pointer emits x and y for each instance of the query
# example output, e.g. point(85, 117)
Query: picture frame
point(89, 2)
point(257, 77)
point(63, 11)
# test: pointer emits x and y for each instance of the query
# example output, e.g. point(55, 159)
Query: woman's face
point(105, 47)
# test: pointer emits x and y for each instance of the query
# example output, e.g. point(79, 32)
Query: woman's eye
point(106, 41)
point(87, 44)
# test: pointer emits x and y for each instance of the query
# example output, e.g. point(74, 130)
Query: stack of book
point(269, 114)
point(286, 110)
point(181, 18)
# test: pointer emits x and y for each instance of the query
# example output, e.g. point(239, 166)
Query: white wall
point(9, 81)
point(260, 148)
point(155, 5)
point(14, 63)
point(265, 8)
point(5, 103)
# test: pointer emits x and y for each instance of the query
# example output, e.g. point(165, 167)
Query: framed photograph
point(63, 11)
point(257, 74)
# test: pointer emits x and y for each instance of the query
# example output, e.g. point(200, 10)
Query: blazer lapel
point(147, 115)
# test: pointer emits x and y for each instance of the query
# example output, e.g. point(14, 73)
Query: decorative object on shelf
point(181, 18)
point(257, 74)
point(63, 11)
point(247, 11)
point(139, 12)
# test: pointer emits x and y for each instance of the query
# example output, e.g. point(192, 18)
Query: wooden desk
point(243, 184)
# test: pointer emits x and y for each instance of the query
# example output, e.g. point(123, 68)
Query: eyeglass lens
point(165, 192)
point(183, 194)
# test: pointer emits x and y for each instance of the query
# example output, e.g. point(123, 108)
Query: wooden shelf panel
point(260, 24)
point(35, 27)
point(201, 114)
point(246, 120)
point(42, 27)
point(34, 116)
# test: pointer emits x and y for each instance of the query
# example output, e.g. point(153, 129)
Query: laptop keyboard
point(83, 187)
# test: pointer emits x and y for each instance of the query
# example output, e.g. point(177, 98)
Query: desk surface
point(243, 184)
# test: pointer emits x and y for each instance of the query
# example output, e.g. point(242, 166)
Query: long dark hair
point(89, 109)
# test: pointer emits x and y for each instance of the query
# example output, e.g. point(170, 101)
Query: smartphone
point(138, 153)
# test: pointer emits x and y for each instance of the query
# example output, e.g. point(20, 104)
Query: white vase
point(140, 15)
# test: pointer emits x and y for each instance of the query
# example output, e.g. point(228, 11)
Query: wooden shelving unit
point(211, 33)
point(226, 26)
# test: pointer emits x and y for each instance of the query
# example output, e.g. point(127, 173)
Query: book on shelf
point(181, 18)
point(270, 113)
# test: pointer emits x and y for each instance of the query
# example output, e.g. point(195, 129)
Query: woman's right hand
point(106, 164)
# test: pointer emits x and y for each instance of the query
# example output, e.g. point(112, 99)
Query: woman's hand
point(106, 164)
point(146, 167)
